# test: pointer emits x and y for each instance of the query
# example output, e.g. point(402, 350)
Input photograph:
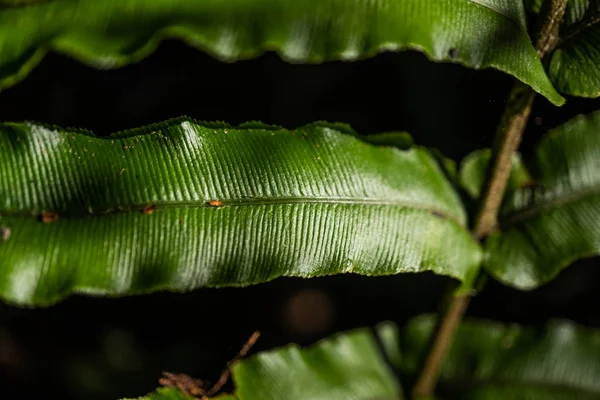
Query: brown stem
point(196, 387)
point(508, 137)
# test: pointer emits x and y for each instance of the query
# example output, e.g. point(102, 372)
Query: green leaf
point(348, 366)
point(473, 169)
point(546, 226)
point(575, 65)
point(182, 205)
point(486, 361)
point(112, 33)
point(489, 360)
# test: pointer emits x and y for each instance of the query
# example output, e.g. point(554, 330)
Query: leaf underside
point(182, 205)
point(555, 219)
point(112, 33)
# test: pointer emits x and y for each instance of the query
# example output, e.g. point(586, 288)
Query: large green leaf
point(111, 33)
point(223, 206)
point(554, 221)
point(347, 366)
point(575, 65)
point(489, 360)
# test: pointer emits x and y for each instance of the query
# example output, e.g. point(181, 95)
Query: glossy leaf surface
point(112, 33)
point(182, 205)
point(490, 360)
point(554, 221)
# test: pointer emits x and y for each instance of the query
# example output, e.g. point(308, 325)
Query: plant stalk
point(507, 140)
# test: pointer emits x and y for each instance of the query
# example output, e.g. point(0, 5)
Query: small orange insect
point(149, 209)
point(47, 217)
point(215, 203)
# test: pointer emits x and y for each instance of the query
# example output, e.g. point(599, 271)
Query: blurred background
point(98, 348)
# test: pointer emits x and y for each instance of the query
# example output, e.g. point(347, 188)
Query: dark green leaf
point(182, 205)
point(111, 33)
point(489, 360)
point(556, 220)
point(575, 65)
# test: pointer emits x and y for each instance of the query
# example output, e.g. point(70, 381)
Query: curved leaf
point(548, 225)
point(347, 366)
point(181, 205)
point(111, 33)
point(575, 65)
point(489, 360)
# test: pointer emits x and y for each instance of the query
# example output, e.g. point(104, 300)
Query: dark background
point(97, 348)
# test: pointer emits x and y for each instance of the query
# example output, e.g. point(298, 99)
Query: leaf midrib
point(516, 217)
point(249, 202)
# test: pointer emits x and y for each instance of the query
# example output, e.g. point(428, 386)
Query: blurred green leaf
point(473, 169)
point(112, 33)
point(346, 366)
point(554, 221)
point(575, 65)
point(489, 360)
point(182, 205)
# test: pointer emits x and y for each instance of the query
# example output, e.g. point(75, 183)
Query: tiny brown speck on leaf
point(149, 209)
point(437, 214)
point(215, 203)
point(4, 233)
point(48, 217)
